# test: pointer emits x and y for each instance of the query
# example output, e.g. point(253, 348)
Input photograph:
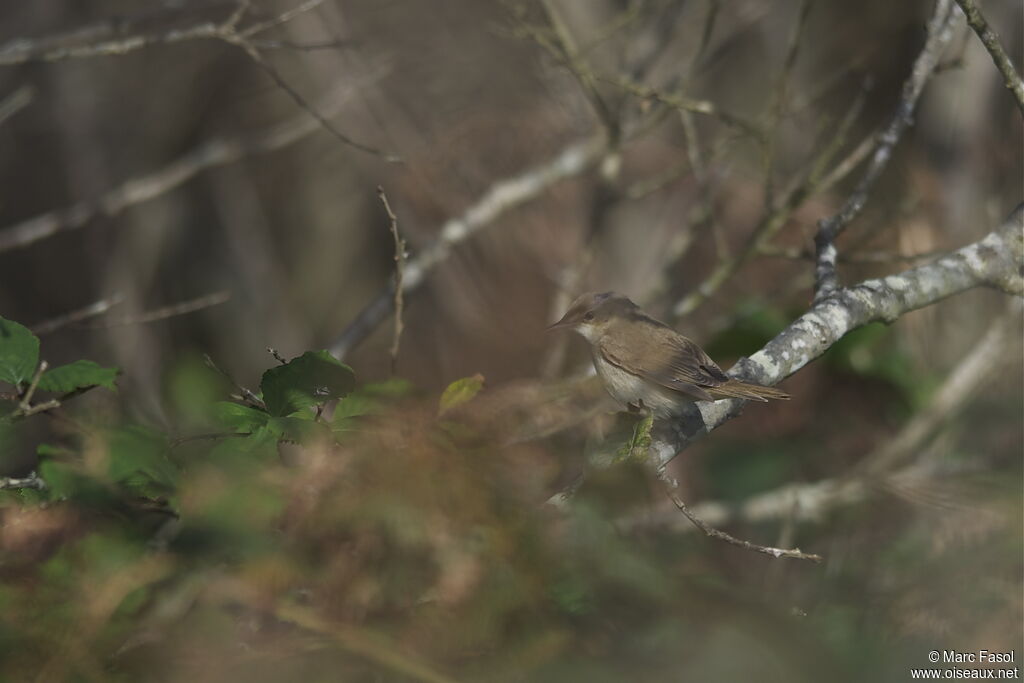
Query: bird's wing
point(685, 366)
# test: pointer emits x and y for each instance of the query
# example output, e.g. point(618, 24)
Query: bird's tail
point(755, 392)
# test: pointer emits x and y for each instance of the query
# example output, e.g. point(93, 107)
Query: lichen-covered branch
point(995, 261)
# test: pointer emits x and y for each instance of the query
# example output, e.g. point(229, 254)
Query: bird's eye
point(588, 316)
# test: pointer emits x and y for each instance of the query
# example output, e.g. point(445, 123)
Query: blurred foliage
point(347, 532)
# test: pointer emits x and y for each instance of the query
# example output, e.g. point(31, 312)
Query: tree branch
point(995, 261)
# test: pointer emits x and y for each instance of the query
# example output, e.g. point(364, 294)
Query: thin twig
point(304, 104)
point(711, 532)
point(165, 312)
point(675, 101)
point(399, 303)
point(939, 33)
point(91, 311)
point(247, 395)
point(26, 397)
point(988, 37)
point(578, 67)
point(277, 356)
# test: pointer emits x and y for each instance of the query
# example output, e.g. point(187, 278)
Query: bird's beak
point(566, 321)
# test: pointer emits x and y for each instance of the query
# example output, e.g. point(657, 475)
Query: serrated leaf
point(238, 417)
point(78, 375)
point(19, 352)
point(460, 391)
point(311, 379)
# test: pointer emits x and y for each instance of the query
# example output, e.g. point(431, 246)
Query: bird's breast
point(627, 388)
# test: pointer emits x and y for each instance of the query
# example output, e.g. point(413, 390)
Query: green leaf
point(460, 391)
point(238, 417)
point(311, 379)
point(296, 429)
point(19, 352)
point(78, 375)
point(139, 462)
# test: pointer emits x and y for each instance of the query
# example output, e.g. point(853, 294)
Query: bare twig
point(91, 311)
point(564, 49)
point(684, 103)
point(502, 196)
point(988, 37)
point(277, 356)
point(247, 395)
point(26, 397)
point(214, 153)
point(174, 310)
point(939, 33)
point(105, 40)
point(399, 304)
point(778, 102)
point(711, 532)
point(300, 100)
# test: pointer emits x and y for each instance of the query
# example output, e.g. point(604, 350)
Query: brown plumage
point(644, 362)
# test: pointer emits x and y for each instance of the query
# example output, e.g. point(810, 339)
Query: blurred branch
point(939, 33)
point(228, 31)
point(16, 101)
point(565, 47)
point(92, 310)
point(688, 104)
point(32, 481)
point(361, 643)
point(984, 357)
point(778, 102)
point(54, 48)
point(216, 152)
point(995, 261)
point(816, 180)
point(500, 197)
point(399, 275)
point(988, 37)
point(172, 311)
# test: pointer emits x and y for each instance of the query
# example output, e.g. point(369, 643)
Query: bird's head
point(591, 314)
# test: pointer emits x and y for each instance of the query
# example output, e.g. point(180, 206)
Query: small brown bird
point(645, 364)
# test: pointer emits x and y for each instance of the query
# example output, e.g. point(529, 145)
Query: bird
point(646, 365)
